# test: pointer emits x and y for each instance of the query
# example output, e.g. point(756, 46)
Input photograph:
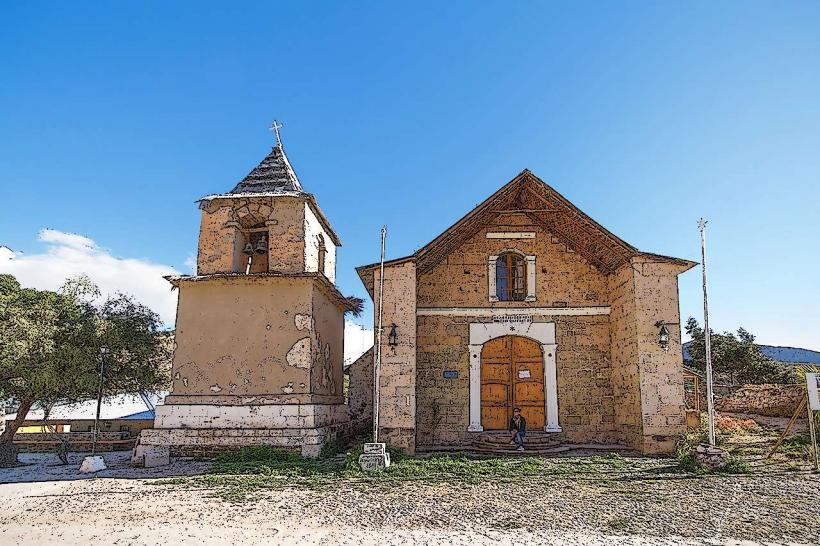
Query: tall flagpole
point(377, 364)
point(707, 335)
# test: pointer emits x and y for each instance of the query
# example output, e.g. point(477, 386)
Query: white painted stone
point(92, 464)
point(530, 278)
point(207, 416)
point(374, 461)
point(302, 321)
point(540, 332)
point(299, 355)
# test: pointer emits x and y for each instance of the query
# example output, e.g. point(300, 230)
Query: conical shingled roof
point(273, 175)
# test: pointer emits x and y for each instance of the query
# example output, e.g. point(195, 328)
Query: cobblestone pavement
point(127, 509)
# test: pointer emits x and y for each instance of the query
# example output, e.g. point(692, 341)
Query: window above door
point(511, 276)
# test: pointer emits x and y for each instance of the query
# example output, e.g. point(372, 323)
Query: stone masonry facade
point(616, 384)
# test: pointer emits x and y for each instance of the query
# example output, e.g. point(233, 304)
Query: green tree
point(50, 348)
point(736, 359)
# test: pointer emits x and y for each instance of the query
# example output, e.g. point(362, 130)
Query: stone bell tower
point(260, 327)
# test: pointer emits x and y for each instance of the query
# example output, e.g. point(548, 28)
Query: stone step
point(528, 450)
point(485, 445)
point(501, 440)
point(550, 450)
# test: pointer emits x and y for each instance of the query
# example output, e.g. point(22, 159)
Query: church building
point(528, 302)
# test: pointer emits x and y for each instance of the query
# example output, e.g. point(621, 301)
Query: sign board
point(523, 374)
point(512, 318)
point(450, 374)
point(813, 390)
point(374, 447)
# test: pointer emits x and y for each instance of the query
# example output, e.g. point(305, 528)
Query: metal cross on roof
point(275, 128)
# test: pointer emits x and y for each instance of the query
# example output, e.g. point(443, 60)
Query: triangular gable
point(528, 194)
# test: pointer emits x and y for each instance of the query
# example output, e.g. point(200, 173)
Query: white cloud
point(357, 341)
point(190, 263)
point(71, 240)
point(68, 255)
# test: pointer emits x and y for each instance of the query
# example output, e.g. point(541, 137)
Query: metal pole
point(707, 335)
point(378, 362)
point(99, 404)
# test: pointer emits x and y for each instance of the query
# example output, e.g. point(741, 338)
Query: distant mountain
point(787, 355)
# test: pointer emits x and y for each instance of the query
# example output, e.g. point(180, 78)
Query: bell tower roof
point(274, 175)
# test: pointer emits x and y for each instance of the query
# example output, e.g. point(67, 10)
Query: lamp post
point(707, 336)
point(103, 353)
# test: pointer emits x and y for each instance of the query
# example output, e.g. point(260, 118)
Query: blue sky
point(116, 116)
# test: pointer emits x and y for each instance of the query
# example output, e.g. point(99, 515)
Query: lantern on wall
point(393, 336)
point(663, 335)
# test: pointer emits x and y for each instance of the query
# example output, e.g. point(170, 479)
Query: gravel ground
point(639, 506)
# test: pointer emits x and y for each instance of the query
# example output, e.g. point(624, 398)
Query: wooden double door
point(512, 375)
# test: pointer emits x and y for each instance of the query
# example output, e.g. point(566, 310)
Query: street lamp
point(103, 353)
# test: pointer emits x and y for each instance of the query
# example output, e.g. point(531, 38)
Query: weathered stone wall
point(191, 430)
point(397, 381)
point(442, 405)
point(221, 240)
point(585, 400)
point(246, 340)
point(624, 350)
point(615, 383)
point(662, 404)
point(562, 276)
point(327, 350)
point(217, 240)
point(769, 400)
point(360, 388)
point(314, 229)
point(586, 403)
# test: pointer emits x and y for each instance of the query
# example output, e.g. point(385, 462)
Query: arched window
point(322, 253)
point(511, 277)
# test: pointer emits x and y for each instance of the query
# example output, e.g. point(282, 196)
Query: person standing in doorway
point(518, 426)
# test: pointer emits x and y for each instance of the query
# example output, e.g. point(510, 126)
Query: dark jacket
point(522, 425)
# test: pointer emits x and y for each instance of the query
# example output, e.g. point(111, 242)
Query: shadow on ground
point(43, 467)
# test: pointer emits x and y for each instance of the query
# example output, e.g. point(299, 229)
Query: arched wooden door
point(512, 375)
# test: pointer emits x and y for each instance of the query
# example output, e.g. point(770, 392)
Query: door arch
point(542, 333)
point(512, 375)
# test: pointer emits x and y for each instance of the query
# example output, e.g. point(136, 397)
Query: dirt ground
point(48, 504)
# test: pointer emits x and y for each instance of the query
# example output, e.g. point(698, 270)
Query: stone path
point(125, 509)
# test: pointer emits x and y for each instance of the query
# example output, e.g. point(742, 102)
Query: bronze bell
point(248, 250)
point(262, 246)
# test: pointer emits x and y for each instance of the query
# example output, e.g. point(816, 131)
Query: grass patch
point(236, 475)
point(797, 446)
